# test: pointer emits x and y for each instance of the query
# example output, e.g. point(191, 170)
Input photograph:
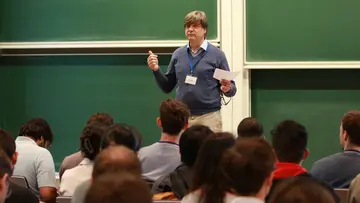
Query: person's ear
point(306, 154)
point(158, 122)
point(186, 125)
point(14, 158)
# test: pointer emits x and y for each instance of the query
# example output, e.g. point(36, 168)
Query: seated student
point(17, 193)
point(90, 147)
point(338, 170)
point(112, 160)
point(118, 187)
point(5, 173)
point(116, 135)
point(354, 191)
point(35, 162)
point(249, 167)
point(301, 189)
point(163, 157)
point(74, 160)
point(249, 127)
point(209, 184)
point(176, 184)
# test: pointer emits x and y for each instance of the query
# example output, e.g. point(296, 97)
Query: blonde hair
point(195, 17)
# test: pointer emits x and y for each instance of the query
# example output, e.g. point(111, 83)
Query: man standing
point(191, 70)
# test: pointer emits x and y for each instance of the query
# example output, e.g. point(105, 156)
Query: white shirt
point(194, 198)
point(247, 200)
point(75, 176)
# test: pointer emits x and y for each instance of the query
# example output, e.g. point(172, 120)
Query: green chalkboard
point(97, 20)
point(316, 98)
point(302, 30)
point(66, 90)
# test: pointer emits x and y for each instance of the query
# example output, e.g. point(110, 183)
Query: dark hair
point(37, 128)
point(174, 115)
point(248, 165)
point(91, 138)
point(103, 118)
point(122, 134)
point(191, 141)
point(301, 189)
point(249, 127)
point(207, 173)
point(116, 159)
point(7, 143)
point(289, 140)
point(5, 166)
point(351, 124)
point(115, 187)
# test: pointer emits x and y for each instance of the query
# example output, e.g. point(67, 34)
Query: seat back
point(342, 194)
point(20, 181)
point(63, 199)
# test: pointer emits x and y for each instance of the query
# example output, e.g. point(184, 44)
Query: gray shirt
point(159, 159)
point(205, 96)
point(34, 163)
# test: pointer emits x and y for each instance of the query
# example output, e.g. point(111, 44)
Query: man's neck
point(352, 147)
point(196, 44)
point(169, 138)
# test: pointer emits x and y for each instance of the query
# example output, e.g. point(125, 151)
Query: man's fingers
point(152, 54)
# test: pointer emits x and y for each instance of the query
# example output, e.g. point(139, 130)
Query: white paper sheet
point(220, 74)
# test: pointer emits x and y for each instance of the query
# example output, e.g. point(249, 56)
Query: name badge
point(190, 80)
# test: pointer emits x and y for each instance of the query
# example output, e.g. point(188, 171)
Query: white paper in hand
point(220, 74)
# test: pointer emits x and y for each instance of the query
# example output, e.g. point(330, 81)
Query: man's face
point(342, 136)
point(195, 31)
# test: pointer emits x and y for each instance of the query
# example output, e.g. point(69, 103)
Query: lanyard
point(192, 67)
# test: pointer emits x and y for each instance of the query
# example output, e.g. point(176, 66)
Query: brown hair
point(301, 189)
point(249, 127)
point(174, 115)
point(118, 187)
point(196, 17)
point(249, 164)
point(103, 118)
point(351, 124)
point(116, 159)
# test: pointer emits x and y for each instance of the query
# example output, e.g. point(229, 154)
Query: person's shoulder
point(180, 50)
point(328, 159)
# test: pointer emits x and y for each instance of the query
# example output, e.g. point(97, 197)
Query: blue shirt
point(205, 96)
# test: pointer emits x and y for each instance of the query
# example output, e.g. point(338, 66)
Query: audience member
point(114, 159)
point(35, 162)
point(301, 189)
point(17, 193)
point(176, 184)
point(249, 127)
point(90, 147)
point(210, 184)
point(5, 173)
point(338, 170)
point(163, 157)
point(354, 191)
point(122, 134)
point(249, 167)
point(74, 160)
point(118, 187)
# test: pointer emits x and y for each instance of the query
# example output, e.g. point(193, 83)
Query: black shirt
point(20, 195)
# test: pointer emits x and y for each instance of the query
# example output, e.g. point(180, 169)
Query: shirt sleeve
point(225, 66)
point(167, 81)
point(45, 175)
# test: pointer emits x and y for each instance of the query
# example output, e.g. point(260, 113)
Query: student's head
point(208, 175)
point(301, 189)
point(100, 117)
point(249, 127)
point(116, 159)
point(249, 167)
point(196, 26)
point(190, 142)
point(118, 187)
point(5, 173)
point(121, 134)
point(7, 145)
point(90, 139)
point(289, 140)
point(39, 130)
point(350, 130)
point(174, 116)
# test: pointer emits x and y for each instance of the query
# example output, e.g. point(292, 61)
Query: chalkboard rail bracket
point(92, 48)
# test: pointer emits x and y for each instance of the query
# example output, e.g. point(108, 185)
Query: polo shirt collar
point(204, 45)
point(25, 139)
point(243, 199)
